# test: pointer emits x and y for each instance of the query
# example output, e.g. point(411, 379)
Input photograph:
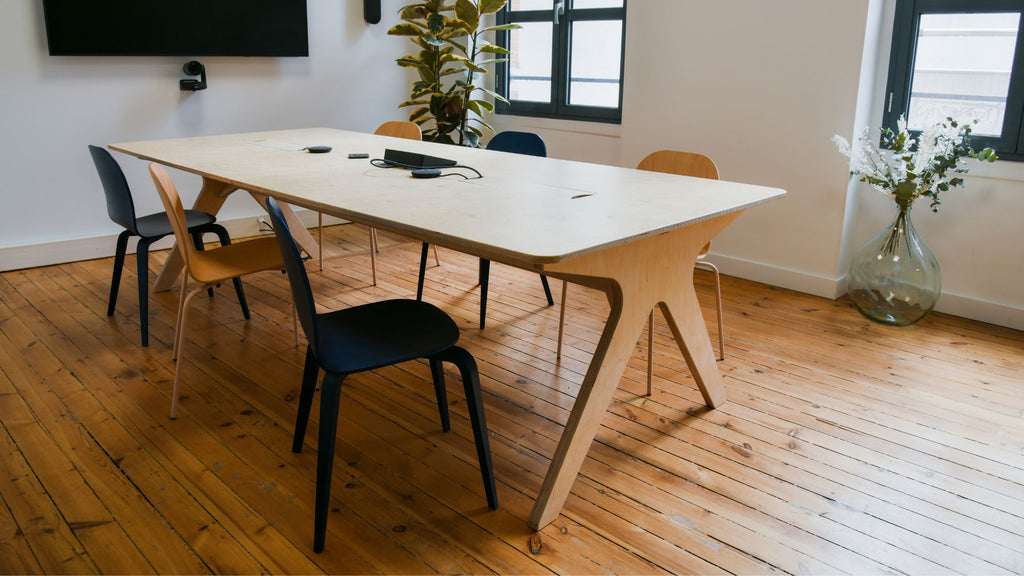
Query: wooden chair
point(683, 164)
point(395, 129)
point(517, 143)
point(363, 338)
point(209, 267)
point(149, 229)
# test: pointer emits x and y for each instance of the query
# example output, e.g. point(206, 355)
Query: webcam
point(193, 68)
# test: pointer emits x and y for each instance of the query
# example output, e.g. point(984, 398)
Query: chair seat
point(225, 262)
point(156, 225)
point(379, 334)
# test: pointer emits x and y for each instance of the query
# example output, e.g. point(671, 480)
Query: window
point(960, 58)
point(566, 59)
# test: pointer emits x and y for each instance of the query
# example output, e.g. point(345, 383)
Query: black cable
point(382, 163)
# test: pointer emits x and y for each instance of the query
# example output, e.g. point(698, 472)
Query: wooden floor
point(844, 447)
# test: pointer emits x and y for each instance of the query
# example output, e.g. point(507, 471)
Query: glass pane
point(531, 5)
point(578, 4)
point(594, 69)
point(529, 66)
point(962, 69)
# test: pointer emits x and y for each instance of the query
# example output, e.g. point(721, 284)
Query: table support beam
point(636, 277)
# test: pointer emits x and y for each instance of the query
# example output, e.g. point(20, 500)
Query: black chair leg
point(437, 371)
point(485, 274)
point(474, 400)
point(547, 289)
point(309, 374)
point(142, 261)
point(225, 239)
point(423, 271)
point(115, 280)
point(330, 397)
point(197, 241)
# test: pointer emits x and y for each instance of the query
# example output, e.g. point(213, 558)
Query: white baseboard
point(90, 248)
point(60, 252)
point(949, 303)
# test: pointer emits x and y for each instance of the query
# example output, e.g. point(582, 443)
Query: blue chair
point(368, 337)
point(149, 229)
point(526, 143)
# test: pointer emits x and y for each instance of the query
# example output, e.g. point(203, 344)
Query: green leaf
point(485, 104)
point(405, 30)
point(502, 27)
point(467, 12)
point(494, 49)
point(408, 103)
point(418, 114)
point(410, 62)
point(435, 23)
point(491, 6)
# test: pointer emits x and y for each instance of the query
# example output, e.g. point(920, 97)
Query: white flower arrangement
point(905, 168)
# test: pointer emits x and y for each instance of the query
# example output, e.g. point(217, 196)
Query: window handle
point(559, 9)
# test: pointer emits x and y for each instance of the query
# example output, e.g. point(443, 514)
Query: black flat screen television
point(176, 27)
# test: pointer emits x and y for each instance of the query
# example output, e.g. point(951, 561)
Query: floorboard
point(844, 446)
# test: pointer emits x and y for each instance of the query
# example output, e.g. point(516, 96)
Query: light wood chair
point(395, 129)
point(683, 164)
point(209, 267)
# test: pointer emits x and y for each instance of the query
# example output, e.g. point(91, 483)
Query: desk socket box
point(414, 160)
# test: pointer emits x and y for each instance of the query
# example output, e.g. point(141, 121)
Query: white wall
point(759, 86)
point(54, 106)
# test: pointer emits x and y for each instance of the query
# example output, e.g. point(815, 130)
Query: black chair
point(368, 337)
point(526, 143)
point(149, 229)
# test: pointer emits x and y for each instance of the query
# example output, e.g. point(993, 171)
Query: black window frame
point(1010, 145)
point(561, 44)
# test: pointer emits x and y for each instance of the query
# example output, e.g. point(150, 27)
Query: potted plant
point(452, 54)
point(895, 278)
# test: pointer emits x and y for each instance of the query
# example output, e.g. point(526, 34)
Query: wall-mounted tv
point(176, 27)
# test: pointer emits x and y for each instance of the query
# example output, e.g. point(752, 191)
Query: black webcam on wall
point(193, 68)
point(371, 11)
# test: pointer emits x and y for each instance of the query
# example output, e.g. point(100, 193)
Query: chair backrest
point(297, 277)
point(681, 163)
point(120, 206)
point(519, 143)
point(400, 129)
point(175, 211)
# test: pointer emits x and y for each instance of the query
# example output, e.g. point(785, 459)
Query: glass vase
point(894, 277)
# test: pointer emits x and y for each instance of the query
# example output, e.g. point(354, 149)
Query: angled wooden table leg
point(211, 197)
point(636, 278)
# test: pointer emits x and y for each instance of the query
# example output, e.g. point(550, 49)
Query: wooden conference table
point(631, 234)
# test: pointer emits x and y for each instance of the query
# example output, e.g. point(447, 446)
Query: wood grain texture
point(845, 446)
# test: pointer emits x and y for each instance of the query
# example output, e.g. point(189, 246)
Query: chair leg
point(142, 266)
point(423, 271)
point(309, 374)
point(437, 371)
point(474, 400)
point(485, 274)
point(225, 239)
point(373, 254)
point(115, 279)
point(718, 301)
point(180, 343)
point(561, 318)
point(547, 289)
point(320, 238)
point(330, 397)
point(650, 353)
point(197, 241)
point(437, 260)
